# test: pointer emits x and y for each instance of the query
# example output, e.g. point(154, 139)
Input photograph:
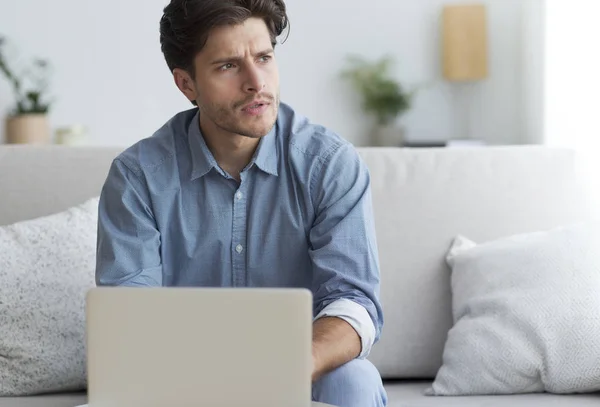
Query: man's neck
point(232, 152)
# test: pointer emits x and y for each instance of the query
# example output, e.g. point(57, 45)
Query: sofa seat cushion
point(400, 394)
point(53, 400)
point(411, 394)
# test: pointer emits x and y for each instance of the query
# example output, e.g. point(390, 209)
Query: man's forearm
point(335, 343)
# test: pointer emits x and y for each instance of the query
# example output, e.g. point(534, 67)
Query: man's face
point(237, 80)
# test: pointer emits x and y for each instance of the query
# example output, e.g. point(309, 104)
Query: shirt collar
point(202, 159)
point(265, 157)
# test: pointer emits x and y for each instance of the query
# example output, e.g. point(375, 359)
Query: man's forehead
point(253, 34)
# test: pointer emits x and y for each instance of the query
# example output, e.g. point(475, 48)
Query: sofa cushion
point(527, 314)
point(400, 394)
point(46, 268)
point(45, 179)
point(410, 394)
point(422, 199)
point(51, 400)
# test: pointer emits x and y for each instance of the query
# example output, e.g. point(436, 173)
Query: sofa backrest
point(422, 199)
point(41, 180)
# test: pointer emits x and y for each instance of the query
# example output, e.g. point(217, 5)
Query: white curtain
point(572, 81)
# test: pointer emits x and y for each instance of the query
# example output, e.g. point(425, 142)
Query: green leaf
point(382, 96)
point(27, 101)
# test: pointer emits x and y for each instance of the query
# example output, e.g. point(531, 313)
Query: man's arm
point(335, 342)
point(128, 245)
point(345, 261)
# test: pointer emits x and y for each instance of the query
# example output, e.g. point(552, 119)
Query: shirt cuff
point(358, 317)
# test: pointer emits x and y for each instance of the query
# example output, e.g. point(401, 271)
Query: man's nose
point(255, 81)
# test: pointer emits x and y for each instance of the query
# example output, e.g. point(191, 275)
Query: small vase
point(71, 136)
point(390, 135)
point(30, 128)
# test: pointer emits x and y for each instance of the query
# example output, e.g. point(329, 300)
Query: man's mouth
point(255, 108)
point(255, 105)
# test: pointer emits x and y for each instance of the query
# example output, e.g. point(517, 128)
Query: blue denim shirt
point(300, 217)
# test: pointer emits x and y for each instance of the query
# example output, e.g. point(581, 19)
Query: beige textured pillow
point(46, 267)
point(526, 315)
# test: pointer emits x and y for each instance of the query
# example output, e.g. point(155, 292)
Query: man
point(242, 191)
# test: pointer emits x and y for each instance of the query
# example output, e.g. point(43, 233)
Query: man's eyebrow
point(237, 58)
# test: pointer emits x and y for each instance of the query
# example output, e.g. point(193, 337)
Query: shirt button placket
point(239, 238)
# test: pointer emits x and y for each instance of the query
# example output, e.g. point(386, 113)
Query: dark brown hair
point(186, 24)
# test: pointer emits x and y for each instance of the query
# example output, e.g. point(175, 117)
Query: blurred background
point(382, 72)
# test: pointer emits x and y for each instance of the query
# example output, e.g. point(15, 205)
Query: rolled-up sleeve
point(357, 317)
point(128, 243)
point(343, 245)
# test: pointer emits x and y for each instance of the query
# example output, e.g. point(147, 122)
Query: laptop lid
point(155, 347)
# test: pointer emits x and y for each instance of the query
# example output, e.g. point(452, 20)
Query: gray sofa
point(422, 199)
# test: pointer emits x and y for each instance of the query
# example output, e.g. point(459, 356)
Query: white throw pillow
point(526, 314)
point(46, 268)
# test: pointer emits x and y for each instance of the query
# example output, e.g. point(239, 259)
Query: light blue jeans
point(355, 384)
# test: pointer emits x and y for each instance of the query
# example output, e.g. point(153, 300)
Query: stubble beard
point(228, 118)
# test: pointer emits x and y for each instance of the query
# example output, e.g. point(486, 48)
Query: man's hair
point(186, 24)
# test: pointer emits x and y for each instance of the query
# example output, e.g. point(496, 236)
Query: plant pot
point(390, 135)
point(31, 128)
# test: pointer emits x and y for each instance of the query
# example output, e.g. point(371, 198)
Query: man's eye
point(265, 58)
point(226, 67)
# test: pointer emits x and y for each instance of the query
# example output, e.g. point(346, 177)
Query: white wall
point(572, 78)
point(572, 82)
point(110, 74)
point(533, 70)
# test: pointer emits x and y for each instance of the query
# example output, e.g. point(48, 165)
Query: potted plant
point(28, 121)
point(382, 97)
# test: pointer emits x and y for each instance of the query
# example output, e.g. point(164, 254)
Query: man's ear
point(185, 84)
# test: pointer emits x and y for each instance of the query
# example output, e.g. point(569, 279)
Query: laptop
point(217, 347)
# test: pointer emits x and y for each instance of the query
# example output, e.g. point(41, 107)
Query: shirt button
point(239, 248)
point(239, 195)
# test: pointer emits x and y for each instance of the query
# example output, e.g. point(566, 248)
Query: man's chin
point(256, 130)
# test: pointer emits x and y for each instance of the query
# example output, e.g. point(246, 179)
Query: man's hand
point(334, 343)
